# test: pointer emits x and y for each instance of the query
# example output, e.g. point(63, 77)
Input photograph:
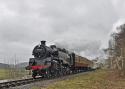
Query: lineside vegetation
point(100, 79)
point(11, 73)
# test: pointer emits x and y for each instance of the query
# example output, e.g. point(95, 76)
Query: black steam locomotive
point(53, 61)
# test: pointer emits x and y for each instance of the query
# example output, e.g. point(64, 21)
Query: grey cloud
point(79, 25)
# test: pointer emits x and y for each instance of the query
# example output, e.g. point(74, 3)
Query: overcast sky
point(79, 25)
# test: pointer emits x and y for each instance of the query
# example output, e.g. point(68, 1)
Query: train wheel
point(34, 74)
point(67, 70)
point(56, 73)
point(60, 72)
point(47, 74)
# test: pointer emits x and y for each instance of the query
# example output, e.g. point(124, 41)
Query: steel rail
point(20, 82)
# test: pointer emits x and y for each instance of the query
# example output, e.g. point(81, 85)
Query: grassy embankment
point(12, 73)
point(100, 79)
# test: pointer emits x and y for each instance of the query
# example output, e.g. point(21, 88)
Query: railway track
point(15, 83)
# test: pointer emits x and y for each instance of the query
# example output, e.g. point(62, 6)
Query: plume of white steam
point(116, 26)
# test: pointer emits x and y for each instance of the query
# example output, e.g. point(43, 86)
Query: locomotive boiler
point(53, 61)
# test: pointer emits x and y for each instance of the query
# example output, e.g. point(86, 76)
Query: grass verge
point(12, 73)
point(100, 79)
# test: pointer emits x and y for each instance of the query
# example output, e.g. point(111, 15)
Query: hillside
point(22, 65)
point(2, 65)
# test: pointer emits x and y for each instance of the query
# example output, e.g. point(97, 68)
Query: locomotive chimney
point(43, 42)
